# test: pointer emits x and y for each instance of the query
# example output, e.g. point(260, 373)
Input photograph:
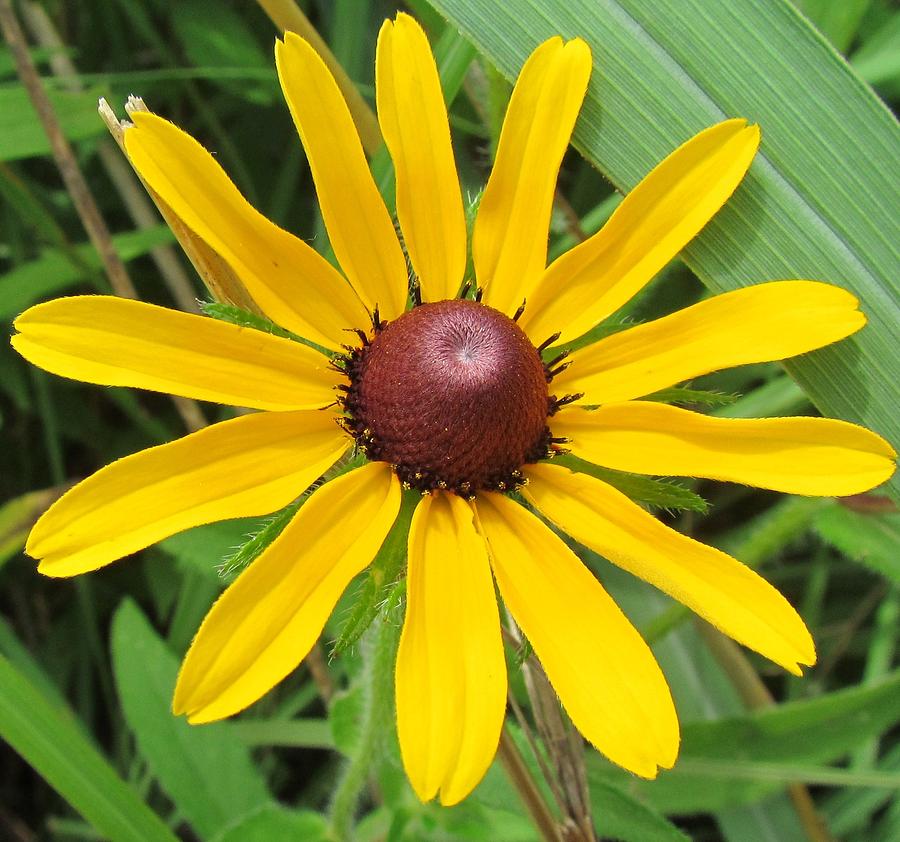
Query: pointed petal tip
point(754, 132)
point(555, 40)
point(202, 717)
point(648, 761)
point(450, 797)
point(804, 654)
point(648, 767)
point(579, 49)
point(47, 568)
point(404, 19)
point(423, 791)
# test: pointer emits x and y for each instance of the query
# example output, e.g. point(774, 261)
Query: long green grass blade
point(57, 748)
point(816, 203)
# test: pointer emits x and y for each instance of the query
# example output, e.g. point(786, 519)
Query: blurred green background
point(87, 665)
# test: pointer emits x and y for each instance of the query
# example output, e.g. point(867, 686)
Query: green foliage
point(250, 550)
point(206, 771)
point(380, 580)
point(660, 494)
point(243, 318)
point(86, 676)
point(737, 760)
point(629, 819)
point(54, 743)
point(21, 133)
point(56, 271)
point(270, 823)
point(692, 397)
point(872, 538)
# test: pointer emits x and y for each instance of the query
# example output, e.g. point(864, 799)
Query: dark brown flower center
point(452, 394)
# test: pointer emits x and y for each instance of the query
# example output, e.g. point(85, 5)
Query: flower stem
point(521, 779)
point(378, 686)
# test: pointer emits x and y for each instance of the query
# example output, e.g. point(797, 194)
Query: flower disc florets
point(453, 395)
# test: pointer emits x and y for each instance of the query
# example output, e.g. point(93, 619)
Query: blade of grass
point(815, 204)
point(51, 742)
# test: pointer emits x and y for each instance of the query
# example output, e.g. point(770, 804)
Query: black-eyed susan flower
point(450, 396)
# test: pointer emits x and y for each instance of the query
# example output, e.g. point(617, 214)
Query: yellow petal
point(756, 324)
point(359, 226)
point(509, 244)
point(413, 121)
point(270, 617)
point(451, 673)
point(817, 456)
point(117, 342)
point(653, 223)
point(293, 285)
point(605, 675)
point(250, 465)
point(719, 588)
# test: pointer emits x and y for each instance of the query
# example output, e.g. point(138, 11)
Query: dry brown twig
point(72, 177)
point(136, 202)
point(64, 157)
point(564, 747)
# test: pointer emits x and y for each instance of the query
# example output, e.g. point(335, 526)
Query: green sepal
point(685, 396)
point(522, 653)
point(254, 546)
point(382, 577)
point(657, 493)
point(244, 318)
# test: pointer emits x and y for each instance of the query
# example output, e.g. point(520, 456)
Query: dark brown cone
point(454, 394)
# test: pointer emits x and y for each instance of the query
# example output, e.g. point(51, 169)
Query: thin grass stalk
point(521, 779)
point(135, 200)
point(64, 156)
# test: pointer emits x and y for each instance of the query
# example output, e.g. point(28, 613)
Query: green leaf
point(345, 714)
point(17, 516)
point(273, 823)
point(23, 136)
point(244, 318)
point(295, 733)
point(839, 21)
point(698, 397)
point(878, 60)
point(51, 741)
point(55, 271)
point(21, 659)
point(206, 548)
point(737, 760)
point(229, 44)
point(205, 770)
point(618, 815)
point(253, 548)
point(660, 494)
point(851, 810)
point(872, 539)
point(380, 579)
point(816, 203)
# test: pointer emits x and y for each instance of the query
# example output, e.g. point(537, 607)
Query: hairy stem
point(378, 687)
